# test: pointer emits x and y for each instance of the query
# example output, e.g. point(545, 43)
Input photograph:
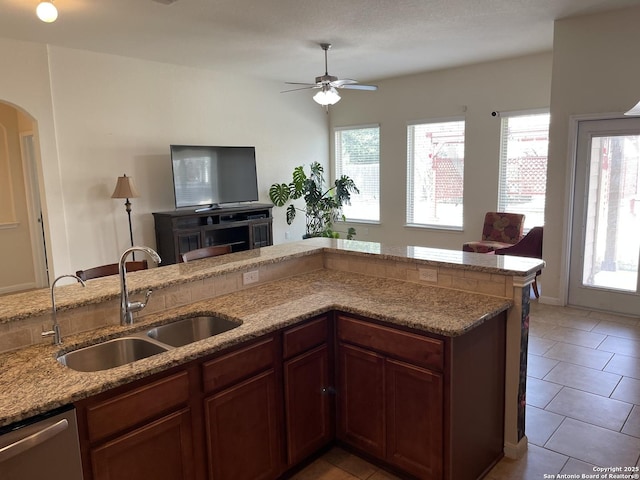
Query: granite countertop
point(33, 382)
point(22, 305)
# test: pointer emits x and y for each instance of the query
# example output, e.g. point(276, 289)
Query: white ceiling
point(278, 39)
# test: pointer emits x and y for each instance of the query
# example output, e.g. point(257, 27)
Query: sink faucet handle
point(137, 306)
point(49, 333)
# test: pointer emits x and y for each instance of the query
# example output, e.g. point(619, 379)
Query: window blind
point(435, 174)
point(524, 143)
point(357, 155)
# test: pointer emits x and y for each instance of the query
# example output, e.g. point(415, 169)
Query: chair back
point(503, 227)
point(205, 252)
point(529, 246)
point(110, 269)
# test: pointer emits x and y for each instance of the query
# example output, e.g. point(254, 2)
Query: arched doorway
point(22, 247)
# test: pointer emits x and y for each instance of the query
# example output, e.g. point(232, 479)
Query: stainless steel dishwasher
point(44, 447)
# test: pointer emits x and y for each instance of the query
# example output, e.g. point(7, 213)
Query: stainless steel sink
point(110, 354)
point(191, 330)
point(121, 351)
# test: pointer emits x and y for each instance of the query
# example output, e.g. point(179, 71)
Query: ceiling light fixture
point(47, 12)
point(327, 96)
point(635, 111)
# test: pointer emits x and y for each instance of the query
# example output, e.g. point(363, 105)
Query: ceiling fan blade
point(343, 81)
point(310, 86)
point(359, 87)
point(301, 83)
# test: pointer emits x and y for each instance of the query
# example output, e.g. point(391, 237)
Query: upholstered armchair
point(529, 246)
point(500, 230)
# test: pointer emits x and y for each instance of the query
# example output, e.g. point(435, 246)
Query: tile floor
point(583, 396)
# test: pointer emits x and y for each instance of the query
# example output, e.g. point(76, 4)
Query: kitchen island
point(297, 282)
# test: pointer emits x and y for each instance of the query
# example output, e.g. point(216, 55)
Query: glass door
point(605, 246)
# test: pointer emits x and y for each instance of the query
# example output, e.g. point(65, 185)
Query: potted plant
point(323, 204)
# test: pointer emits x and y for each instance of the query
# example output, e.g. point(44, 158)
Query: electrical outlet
point(428, 274)
point(252, 276)
point(287, 235)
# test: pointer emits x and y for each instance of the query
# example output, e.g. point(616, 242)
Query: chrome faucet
point(55, 331)
point(127, 308)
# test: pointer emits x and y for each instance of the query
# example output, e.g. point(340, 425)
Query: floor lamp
point(126, 189)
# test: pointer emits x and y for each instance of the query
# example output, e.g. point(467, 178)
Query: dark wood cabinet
point(243, 416)
point(243, 228)
point(429, 407)
point(414, 419)
point(161, 450)
point(243, 431)
point(308, 389)
point(141, 432)
point(361, 399)
point(391, 410)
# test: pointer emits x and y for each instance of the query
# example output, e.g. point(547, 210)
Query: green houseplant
point(323, 205)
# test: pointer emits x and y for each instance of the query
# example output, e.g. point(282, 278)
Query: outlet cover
point(252, 276)
point(428, 274)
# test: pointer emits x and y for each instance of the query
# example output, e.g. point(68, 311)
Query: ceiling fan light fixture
point(327, 96)
point(47, 12)
point(635, 111)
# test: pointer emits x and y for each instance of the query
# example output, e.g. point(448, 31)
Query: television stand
point(242, 227)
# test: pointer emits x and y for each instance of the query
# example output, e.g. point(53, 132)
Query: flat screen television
point(208, 176)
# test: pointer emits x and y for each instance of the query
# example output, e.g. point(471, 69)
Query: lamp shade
point(327, 96)
point(47, 12)
point(125, 188)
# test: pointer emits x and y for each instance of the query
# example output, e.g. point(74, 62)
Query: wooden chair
point(500, 230)
point(205, 252)
point(110, 269)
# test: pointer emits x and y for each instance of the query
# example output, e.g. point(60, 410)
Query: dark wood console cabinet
point(243, 228)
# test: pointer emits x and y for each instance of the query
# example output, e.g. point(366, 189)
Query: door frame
point(34, 208)
point(570, 192)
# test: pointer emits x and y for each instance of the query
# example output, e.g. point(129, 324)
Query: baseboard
point(550, 301)
point(516, 451)
point(18, 288)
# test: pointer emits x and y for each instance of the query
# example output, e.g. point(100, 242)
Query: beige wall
point(471, 92)
point(595, 71)
point(24, 83)
point(116, 115)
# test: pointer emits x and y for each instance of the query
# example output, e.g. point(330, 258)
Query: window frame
point(336, 171)
point(409, 183)
point(502, 171)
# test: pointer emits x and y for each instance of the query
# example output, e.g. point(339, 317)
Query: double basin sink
point(124, 350)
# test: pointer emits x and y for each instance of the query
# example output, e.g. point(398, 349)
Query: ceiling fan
point(328, 95)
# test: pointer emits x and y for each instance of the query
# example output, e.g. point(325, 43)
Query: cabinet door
point(187, 240)
point(361, 399)
point(307, 403)
point(243, 433)
point(260, 235)
point(414, 410)
point(161, 450)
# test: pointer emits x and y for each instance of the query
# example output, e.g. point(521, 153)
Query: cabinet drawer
point(416, 349)
point(304, 337)
point(238, 365)
point(140, 405)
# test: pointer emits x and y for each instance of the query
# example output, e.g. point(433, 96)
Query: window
point(358, 157)
point(523, 166)
point(435, 174)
